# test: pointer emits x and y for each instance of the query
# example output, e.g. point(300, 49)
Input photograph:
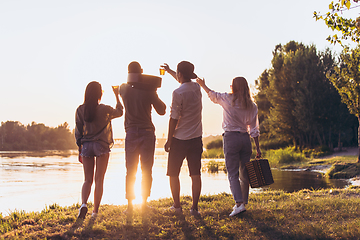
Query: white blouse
point(236, 118)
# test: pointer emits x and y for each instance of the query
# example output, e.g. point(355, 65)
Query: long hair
point(241, 93)
point(93, 93)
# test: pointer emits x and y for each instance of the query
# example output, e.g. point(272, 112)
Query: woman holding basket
point(240, 121)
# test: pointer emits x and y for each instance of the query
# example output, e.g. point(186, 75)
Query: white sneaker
point(195, 213)
point(237, 210)
point(82, 211)
point(175, 209)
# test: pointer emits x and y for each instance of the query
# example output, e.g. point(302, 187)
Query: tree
point(262, 84)
point(15, 136)
point(349, 29)
point(346, 79)
point(296, 101)
point(346, 76)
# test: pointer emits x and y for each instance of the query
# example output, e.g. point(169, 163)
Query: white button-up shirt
point(236, 118)
point(186, 106)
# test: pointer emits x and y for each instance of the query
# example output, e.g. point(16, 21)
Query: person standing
point(185, 134)
point(140, 133)
point(93, 133)
point(240, 121)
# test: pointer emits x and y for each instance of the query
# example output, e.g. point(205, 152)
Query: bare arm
point(118, 103)
point(258, 151)
point(172, 125)
point(171, 72)
point(202, 84)
point(159, 105)
point(79, 126)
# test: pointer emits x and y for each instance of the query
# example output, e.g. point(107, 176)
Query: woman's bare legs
point(101, 166)
point(88, 165)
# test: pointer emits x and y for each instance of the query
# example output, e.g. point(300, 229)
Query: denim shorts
point(92, 149)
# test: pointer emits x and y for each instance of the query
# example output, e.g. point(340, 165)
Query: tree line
point(15, 136)
point(297, 102)
point(346, 77)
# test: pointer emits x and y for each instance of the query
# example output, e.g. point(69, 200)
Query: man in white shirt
point(185, 134)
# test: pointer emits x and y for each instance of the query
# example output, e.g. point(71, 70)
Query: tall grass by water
point(213, 153)
point(277, 158)
point(284, 156)
point(322, 214)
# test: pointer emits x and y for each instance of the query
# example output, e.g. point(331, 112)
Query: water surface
point(31, 182)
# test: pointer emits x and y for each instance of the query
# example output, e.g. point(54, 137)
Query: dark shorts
point(94, 149)
point(179, 150)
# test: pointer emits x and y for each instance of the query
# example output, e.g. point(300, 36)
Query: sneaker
point(237, 210)
point(146, 208)
point(175, 209)
point(129, 211)
point(82, 211)
point(195, 212)
point(94, 215)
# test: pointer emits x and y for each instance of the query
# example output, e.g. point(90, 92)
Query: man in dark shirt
point(140, 132)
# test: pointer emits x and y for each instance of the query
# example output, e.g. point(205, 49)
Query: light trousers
point(237, 151)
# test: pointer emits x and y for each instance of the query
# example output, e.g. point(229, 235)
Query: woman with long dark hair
point(240, 121)
point(94, 138)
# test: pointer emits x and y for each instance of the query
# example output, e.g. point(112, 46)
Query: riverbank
point(322, 214)
point(340, 164)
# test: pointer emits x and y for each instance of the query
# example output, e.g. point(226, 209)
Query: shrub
point(273, 144)
point(215, 166)
point(215, 144)
point(218, 143)
point(317, 152)
point(213, 153)
point(285, 156)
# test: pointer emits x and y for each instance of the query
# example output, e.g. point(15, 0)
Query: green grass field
point(321, 214)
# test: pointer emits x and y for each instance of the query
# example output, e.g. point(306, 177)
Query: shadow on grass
point(267, 230)
point(135, 229)
point(209, 233)
point(145, 225)
point(185, 227)
point(70, 233)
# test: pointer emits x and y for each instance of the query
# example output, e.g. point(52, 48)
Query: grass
point(341, 166)
point(213, 153)
point(344, 170)
point(280, 157)
point(334, 160)
point(216, 166)
point(321, 214)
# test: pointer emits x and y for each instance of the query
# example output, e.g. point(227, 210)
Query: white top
point(186, 107)
point(236, 118)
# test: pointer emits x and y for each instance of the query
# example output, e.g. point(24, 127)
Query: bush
point(317, 152)
point(273, 144)
point(213, 153)
point(285, 156)
point(215, 144)
point(215, 166)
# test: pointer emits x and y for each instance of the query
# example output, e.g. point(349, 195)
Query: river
point(31, 181)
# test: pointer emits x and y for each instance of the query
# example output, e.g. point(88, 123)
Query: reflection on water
point(291, 181)
point(31, 182)
point(46, 153)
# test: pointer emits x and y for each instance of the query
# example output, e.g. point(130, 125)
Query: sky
point(50, 50)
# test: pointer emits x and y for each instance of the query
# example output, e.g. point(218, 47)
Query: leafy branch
point(348, 29)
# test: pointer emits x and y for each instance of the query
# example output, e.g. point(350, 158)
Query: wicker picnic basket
point(259, 173)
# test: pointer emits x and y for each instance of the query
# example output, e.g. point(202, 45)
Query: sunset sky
point(50, 50)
